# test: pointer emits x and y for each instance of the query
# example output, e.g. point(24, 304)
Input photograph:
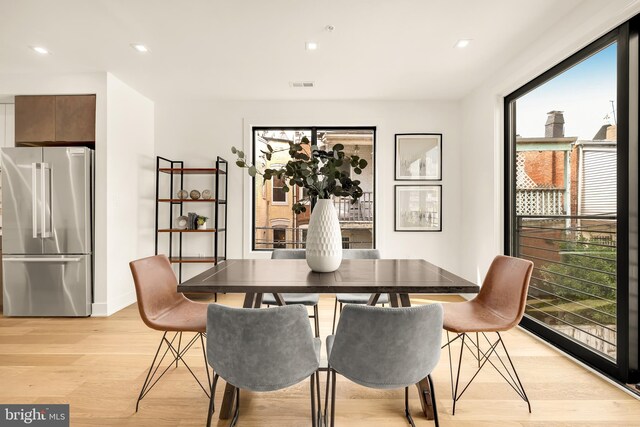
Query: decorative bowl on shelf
point(195, 194)
point(206, 194)
point(181, 222)
point(183, 194)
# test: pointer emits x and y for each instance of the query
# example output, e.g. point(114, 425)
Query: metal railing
point(361, 211)
point(295, 238)
point(540, 201)
point(573, 287)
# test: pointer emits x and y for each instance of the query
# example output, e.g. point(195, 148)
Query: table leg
point(373, 299)
point(258, 301)
point(279, 299)
point(424, 390)
point(229, 395)
point(393, 300)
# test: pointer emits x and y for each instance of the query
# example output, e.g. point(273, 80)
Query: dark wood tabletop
point(400, 276)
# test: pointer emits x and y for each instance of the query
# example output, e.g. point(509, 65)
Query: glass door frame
point(625, 367)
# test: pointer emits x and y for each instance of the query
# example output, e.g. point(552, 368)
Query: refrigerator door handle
point(44, 205)
point(34, 199)
point(63, 259)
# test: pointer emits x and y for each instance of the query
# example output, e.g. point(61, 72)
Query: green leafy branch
point(318, 172)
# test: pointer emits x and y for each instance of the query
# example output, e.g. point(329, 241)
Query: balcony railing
point(540, 201)
point(354, 237)
point(361, 211)
point(573, 286)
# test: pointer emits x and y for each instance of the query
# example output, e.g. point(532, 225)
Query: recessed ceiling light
point(463, 43)
point(311, 45)
point(140, 47)
point(41, 50)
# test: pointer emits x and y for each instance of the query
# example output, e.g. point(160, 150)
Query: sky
point(584, 93)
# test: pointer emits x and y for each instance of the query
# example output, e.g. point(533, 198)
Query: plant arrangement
point(201, 220)
point(318, 171)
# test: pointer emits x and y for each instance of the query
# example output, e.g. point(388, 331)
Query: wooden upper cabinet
point(55, 119)
point(75, 118)
point(35, 118)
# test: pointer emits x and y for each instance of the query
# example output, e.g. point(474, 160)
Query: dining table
point(397, 277)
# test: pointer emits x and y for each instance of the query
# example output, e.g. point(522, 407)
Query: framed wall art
point(418, 157)
point(418, 208)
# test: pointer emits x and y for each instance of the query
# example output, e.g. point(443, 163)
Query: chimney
point(554, 128)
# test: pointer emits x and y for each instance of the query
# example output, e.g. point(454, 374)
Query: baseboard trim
point(117, 304)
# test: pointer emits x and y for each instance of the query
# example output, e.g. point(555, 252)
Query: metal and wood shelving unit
point(175, 171)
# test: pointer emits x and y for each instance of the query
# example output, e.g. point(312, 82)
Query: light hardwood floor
point(97, 365)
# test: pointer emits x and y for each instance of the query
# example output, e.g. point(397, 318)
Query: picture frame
point(418, 208)
point(418, 156)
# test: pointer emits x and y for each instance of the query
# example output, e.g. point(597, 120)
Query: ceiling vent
point(302, 84)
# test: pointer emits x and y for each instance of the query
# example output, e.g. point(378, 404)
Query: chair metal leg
point(151, 380)
point(212, 405)
point(335, 311)
point(314, 415)
point(333, 398)
point(433, 398)
point(316, 320)
point(237, 410)
point(524, 394)
point(204, 354)
point(406, 407)
point(326, 394)
point(453, 396)
point(478, 348)
point(455, 393)
point(144, 385)
point(483, 358)
point(179, 342)
point(319, 415)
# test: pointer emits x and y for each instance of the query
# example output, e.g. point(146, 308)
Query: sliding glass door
point(568, 194)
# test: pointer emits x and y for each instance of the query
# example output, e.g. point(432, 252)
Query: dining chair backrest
point(346, 254)
point(360, 254)
point(261, 349)
point(156, 288)
point(504, 289)
point(288, 254)
point(387, 347)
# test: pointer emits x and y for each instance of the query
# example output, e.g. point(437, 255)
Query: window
point(567, 144)
point(355, 219)
point(345, 243)
point(278, 195)
point(279, 238)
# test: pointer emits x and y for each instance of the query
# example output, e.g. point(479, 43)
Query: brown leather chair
point(164, 309)
point(498, 307)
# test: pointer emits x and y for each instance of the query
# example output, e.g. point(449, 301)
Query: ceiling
point(253, 49)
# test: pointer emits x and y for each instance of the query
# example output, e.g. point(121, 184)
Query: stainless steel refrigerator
point(47, 237)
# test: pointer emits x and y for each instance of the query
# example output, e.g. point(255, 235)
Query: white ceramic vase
point(324, 238)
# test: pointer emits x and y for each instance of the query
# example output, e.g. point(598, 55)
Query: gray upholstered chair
point(385, 348)
point(356, 298)
point(262, 350)
point(309, 300)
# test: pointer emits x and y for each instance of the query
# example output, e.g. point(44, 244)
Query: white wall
point(124, 143)
point(198, 131)
point(130, 189)
point(483, 154)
